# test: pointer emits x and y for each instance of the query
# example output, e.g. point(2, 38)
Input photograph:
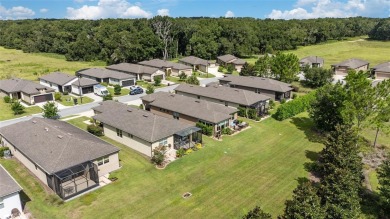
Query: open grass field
point(259, 166)
point(16, 63)
point(7, 113)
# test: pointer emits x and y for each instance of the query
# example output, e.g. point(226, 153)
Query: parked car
point(100, 90)
point(136, 91)
point(134, 87)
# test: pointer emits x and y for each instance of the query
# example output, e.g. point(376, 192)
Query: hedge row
point(294, 107)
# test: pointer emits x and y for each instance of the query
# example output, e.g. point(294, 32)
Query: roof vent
point(236, 90)
point(34, 121)
point(69, 133)
point(197, 101)
point(46, 129)
point(145, 116)
point(60, 136)
point(129, 110)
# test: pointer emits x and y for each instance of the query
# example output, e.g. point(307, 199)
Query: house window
point(36, 167)
point(103, 160)
point(226, 103)
point(1, 203)
point(130, 136)
point(119, 133)
point(163, 142)
point(198, 97)
point(176, 115)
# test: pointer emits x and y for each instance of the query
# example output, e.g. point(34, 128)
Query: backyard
point(259, 166)
point(7, 113)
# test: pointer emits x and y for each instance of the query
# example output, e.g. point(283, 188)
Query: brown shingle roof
point(8, 185)
point(140, 123)
point(351, 63)
point(310, 60)
point(384, 67)
point(242, 97)
point(201, 109)
point(227, 58)
point(133, 68)
point(193, 60)
point(85, 82)
point(58, 78)
point(55, 145)
point(158, 63)
point(258, 82)
point(105, 73)
point(21, 85)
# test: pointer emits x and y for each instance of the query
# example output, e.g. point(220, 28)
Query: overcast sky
point(277, 9)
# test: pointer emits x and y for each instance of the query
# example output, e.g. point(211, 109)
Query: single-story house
point(274, 89)
point(227, 96)
point(190, 110)
point(311, 61)
point(197, 63)
point(142, 130)
point(9, 195)
point(83, 86)
point(228, 59)
point(27, 91)
point(342, 68)
point(141, 72)
point(170, 68)
point(108, 76)
point(63, 157)
point(382, 71)
point(60, 82)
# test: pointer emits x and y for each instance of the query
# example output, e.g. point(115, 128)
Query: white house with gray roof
point(142, 130)
point(63, 157)
point(108, 76)
point(26, 91)
point(382, 71)
point(343, 67)
point(10, 203)
point(60, 82)
point(274, 89)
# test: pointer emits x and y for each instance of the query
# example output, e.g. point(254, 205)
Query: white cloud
point(43, 10)
point(229, 14)
point(17, 12)
point(108, 9)
point(163, 12)
point(306, 9)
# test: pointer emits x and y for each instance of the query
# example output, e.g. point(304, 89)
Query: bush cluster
point(227, 131)
point(294, 107)
point(2, 149)
point(95, 130)
point(206, 129)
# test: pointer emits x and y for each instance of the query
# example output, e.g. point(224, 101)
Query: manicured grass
point(67, 100)
point(144, 84)
point(374, 52)
point(204, 75)
point(15, 63)
point(259, 166)
point(124, 91)
point(373, 177)
point(7, 113)
point(175, 80)
point(383, 139)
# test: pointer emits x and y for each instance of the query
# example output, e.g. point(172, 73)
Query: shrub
point(271, 104)
point(296, 88)
point(2, 149)
point(188, 151)
point(294, 107)
point(50, 111)
point(7, 99)
point(198, 146)
point(95, 130)
point(192, 80)
point(107, 97)
point(57, 96)
point(104, 84)
point(241, 111)
point(149, 89)
point(141, 106)
point(117, 89)
point(65, 92)
point(227, 131)
point(159, 155)
point(17, 108)
point(252, 113)
point(182, 76)
point(283, 101)
point(294, 95)
point(157, 81)
point(230, 68)
point(180, 152)
point(221, 69)
point(206, 129)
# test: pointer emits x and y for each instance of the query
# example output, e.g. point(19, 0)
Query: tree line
point(133, 40)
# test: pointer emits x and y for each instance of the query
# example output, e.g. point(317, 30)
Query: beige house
point(226, 96)
point(342, 68)
point(312, 62)
point(170, 68)
point(274, 89)
point(382, 71)
point(143, 131)
point(141, 72)
point(108, 76)
point(66, 159)
point(197, 63)
point(60, 82)
point(26, 91)
point(190, 110)
point(228, 59)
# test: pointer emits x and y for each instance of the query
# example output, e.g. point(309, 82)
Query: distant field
point(16, 63)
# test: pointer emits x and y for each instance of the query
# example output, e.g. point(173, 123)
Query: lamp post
point(81, 97)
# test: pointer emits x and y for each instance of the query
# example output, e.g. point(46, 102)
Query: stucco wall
point(26, 98)
point(47, 84)
point(76, 90)
point(110, 166)
point(10, 202)
point(382, 75)
point(363, 68)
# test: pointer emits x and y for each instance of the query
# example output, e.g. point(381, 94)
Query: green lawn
point(15, 63)
point(373, 177)
point(383, 139)
point(204, 75)
point(144, 84)
point(124, 91)
point(175, 80)
point(67, 100)
point(79, 122)
point(259, 166)
point(7, 113)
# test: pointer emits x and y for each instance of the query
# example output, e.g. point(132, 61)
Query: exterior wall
point(35, 169)
point(176, 72)
point(146, 77)
point(238, 67)
point(135, 143)
point(169, 140)
point(26, 98)
point(114, 81)
point(341, 71)
point(48, 84)
point(378, 75)
point(110, 166)
point(76, 90)
point(363, 68)
point(10, 202)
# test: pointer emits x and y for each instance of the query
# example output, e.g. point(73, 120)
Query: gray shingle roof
point(140, 123)
point(193, 60)
point(158, 63)
point(227, 58)
point(85, 82)
point(58, 78)
point(384, 67)
point(21, 85)
point(258, 82)
point(8, 184)
point(55, 145)
point(201, 109)
point(105, 73)
point(239, 62)
point(310, 60)
point(242, 97)
point(351, 63)
point(133, 68)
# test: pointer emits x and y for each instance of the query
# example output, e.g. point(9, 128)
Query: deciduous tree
point(50, 111)
point(285, 67)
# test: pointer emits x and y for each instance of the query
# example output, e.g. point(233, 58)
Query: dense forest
point(133, 40)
